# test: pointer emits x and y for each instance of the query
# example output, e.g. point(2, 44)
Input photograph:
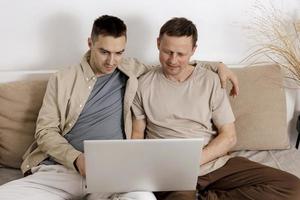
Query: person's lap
point(241, 178)
point(55, 182)
point(47, 182)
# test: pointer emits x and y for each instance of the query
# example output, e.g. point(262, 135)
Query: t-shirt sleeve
point(137, 106)
point(221, 109)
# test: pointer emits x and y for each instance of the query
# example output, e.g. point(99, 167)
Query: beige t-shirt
point(183, 110)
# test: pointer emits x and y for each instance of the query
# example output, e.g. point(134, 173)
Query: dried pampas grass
point(277, 39)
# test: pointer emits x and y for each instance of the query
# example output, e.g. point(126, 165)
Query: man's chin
point(172, 71)
point(109, 70)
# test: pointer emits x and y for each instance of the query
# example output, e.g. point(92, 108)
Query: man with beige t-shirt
point(181, 99)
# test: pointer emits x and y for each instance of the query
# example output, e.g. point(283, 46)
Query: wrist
point(75, 164)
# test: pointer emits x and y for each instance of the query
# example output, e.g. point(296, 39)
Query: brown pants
point(241, 179)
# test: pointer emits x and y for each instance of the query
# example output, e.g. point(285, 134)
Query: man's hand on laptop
point(80, 163)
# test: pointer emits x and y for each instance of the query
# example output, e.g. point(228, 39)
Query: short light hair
point(179, 26)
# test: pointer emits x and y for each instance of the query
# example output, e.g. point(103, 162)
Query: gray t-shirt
point(102, 115)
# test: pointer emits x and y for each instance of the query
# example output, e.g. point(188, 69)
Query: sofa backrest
point(20, 103)
point(260, 110)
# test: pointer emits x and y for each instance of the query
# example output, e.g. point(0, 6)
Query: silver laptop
point(142, 165)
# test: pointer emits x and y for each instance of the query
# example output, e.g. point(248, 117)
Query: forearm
point(55, 145)
point(137, 135)
point(138, 128)
point(219, 146)
point(211, 65)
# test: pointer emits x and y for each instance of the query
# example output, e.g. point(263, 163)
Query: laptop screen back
point(142, 165)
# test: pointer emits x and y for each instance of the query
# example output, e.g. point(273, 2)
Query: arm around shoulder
point(224, 74)
point(135, 66)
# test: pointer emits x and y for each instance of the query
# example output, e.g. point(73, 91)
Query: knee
point(137, 196)
point(287, 186)
point(294, 187)
point(144, 196)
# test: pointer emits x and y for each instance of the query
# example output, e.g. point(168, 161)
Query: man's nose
point(110, 59)
point(172, 58)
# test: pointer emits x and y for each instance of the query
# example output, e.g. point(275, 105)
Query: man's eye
point(103, 52)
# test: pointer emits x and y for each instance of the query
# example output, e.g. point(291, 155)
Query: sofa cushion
point(20, 103)
point(260, 109)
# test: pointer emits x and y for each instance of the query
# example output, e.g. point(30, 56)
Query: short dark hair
point(108, 26)
point(179, 26)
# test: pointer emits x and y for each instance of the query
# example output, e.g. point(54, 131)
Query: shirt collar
point(86, 68)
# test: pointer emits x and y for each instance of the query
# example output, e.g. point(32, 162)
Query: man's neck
point(182, 76)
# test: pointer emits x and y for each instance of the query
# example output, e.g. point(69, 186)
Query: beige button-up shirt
point(65, 97)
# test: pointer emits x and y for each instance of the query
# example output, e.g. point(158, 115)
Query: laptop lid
point(142, 165)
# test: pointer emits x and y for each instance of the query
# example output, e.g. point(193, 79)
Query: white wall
point(49, 34)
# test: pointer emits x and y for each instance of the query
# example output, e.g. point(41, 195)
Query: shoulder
point(206, 75)
point(133, 67)
point(65, 76)
point(149, 78)
point(68, 72)
point(150, 75)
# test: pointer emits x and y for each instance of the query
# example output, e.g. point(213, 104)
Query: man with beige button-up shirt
point(74, 106)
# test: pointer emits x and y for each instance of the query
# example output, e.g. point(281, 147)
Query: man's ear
point(158, 42)
point(194, 49)
point(90, 42)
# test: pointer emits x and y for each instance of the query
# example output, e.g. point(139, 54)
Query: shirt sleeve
point(48, 133)
point(137, 106)
point(210, 65)
point(135, 67)
point(221, 109)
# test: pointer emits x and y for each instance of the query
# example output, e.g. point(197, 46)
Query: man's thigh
point(241, 178)
point(240, 172)
point(53, 182)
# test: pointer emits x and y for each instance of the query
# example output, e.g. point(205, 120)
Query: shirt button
point(87, 79)
point(94, 78)
point(27, 166)
point(70, 124)
point(80, 105)
point(90, 87)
